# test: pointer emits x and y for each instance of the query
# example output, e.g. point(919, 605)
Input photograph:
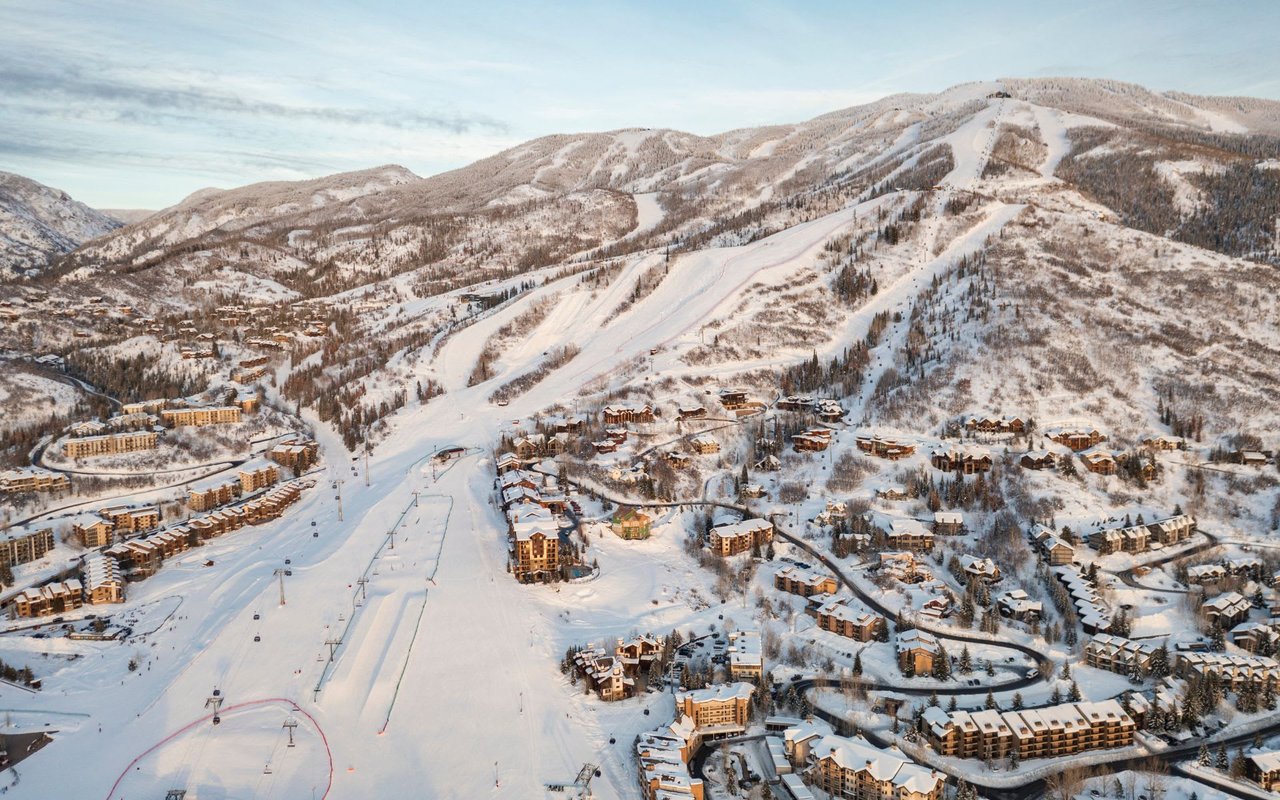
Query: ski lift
point(257, 616)
point(266, 770)
point(315, 534)
point(217, 720)
point(257, 638)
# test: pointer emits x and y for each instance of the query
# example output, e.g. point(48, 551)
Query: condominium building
point(917, 651)
point(662, 763)
point(33, 479)
point(837, 617)
point(740, 537)
point(803, 582)
point(251, 480)
point(126, 520)
point(298, 456)
point(213, 496)
point(719, 710)
point(853, 768)
point(94, 531)
point(534, 554)
point(110, 444)
point(102, 582)
point(53, 598)
point(24, 546)
point(1116, 653)
point(910, 534)
point(1264, 768)
point(1049, 732)
point(1232, 670)
point(1227, 610)
point(202, 415)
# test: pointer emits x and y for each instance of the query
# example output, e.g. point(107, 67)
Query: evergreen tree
point(966, 661)
point(1073, 695)
point(857, 663)
point(1221, 761)
point(1056, 697)
point(990, 702)
point(1017, 701)
point(1204, 759)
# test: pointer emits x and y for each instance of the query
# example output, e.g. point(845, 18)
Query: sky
point(136, 105)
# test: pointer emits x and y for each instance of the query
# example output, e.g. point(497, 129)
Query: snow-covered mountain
point(908, 180)
point(39, 224)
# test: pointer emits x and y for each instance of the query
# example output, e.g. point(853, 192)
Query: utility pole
point(333, 647)
point(415, 498)
point(280, 571)
point(362, 581)
point(289, 724)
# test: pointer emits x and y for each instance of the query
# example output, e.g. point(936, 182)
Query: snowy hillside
point(39, 223)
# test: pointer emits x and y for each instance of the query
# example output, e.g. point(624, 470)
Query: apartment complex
point(200, 415)
point(298, 456)
point(1143, 536)
point(102, 582)
point(33, 479)
point(251, 480)
point(21, 547)
point(1116, 653)
point(733, 538)
point(855, 769)
point(1233, 671)
point(720, 710)
point(1050, 732)
point(917, 651)
point(110, 444)
point(910, 534)
point(53, 598)
point(837, 617)
point(803, 582)
point(662, 763)
point(212, 496)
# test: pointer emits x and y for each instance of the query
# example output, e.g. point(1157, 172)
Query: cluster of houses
point(613, 676)
point(1050, 732)
point(121, 533)
point(535, 548)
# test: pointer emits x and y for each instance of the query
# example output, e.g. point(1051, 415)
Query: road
point(1042, 661)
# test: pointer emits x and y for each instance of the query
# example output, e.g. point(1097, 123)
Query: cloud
point(140, 102)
